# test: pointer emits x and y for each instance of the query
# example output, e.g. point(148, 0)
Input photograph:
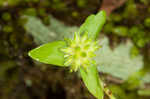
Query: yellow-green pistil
point(80, 51)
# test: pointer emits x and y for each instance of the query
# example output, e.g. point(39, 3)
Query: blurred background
point(123, 61)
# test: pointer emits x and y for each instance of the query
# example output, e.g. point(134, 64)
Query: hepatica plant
point(77, 53)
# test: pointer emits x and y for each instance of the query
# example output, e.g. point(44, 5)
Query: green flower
point(80, 51)
point(77, 52)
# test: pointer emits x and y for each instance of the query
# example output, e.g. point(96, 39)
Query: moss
point(147, 22)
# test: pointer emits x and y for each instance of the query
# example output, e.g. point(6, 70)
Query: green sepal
point(49, 53)
point(93, 24)
point(92, 81)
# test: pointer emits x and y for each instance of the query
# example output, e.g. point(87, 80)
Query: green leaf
point(49, 53)
point(144, 92)
point(93, 24)
point(91, 79)
point(117, 62)
point(43, 34)
point(135, 80)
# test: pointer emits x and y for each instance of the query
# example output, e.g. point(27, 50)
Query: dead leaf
point(111, 5)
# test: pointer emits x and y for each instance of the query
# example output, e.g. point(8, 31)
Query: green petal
point(91, 79)
point(49, 53)
point(93, 24)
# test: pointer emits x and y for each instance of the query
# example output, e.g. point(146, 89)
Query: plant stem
point(108, 92)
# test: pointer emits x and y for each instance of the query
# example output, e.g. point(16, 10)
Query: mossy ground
point(21, 78)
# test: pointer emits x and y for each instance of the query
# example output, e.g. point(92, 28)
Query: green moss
point(147, 22)
point(81, 3)
point(108, 28)
point(30, 11)
point(7, 28)
point(120, 31)
point(134, 52)
point(6, 16)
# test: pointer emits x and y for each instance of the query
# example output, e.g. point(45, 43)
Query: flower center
point(80, 51)
point(83, 54)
